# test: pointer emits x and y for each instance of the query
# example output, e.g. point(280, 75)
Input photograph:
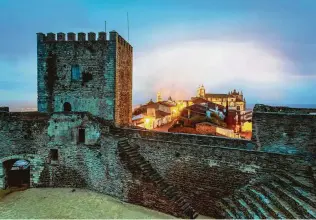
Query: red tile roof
point(161, 114)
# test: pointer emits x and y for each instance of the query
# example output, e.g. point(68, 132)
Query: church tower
point(159, 97)
point(201, 92)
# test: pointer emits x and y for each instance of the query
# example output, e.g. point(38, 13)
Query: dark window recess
point(82, 135)
point(53, 154)
point(238, 108)
point(67, 107)
point(75, 72)
point(86, 77)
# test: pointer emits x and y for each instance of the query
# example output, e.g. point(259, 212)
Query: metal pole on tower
point(127, 28)
point(105, 26)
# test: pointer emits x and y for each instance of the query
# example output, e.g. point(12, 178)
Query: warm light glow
point(148, 123)
point(246, 127)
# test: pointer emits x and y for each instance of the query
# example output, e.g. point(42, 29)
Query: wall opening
point(75, 73)
point(17, 173)
point(67, 107)
point(82, 135)
point(53, 154)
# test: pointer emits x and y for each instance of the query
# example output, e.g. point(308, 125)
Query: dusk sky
point(266, 48)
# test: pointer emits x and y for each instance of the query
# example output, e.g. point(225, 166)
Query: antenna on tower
point(105, 26)
point(127, 28)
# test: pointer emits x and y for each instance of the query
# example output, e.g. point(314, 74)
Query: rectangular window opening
point(82, 135)
point(75, 73)
point(54, 154)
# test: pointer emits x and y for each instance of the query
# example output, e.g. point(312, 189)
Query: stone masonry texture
point(176, 173)
point(105, 81)
point(285, 130)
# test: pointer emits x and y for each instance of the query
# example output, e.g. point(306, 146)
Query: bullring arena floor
point(55, 203)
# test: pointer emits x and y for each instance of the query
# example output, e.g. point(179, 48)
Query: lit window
point(75, 72)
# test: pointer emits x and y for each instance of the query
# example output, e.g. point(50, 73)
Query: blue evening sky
point(266, 48)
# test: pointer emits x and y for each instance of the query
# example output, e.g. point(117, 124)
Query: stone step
point(179, 200)
point(232, 206)
point(125, 146)
point(170, 194)
point(242, 206)
point(306, 196)
point(138, 157)
point(195, 214)
point(168, 189)
point(155, 177)
point(189, 212)
point(134, 153)
point(226, 212)
point(283, 205)
point(158, 181)
point(130, 149)
point(256, 207)
point(266, 203)
point(185, 206)
point(146, 164)
point(297, 204)
point(303, 182)
point(182, 202)
point(163, 185)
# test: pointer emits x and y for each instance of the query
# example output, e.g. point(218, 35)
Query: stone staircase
point(118, 132)
point(282, 195)
point(134, 160)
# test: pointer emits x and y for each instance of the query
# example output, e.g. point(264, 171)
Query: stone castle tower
point(200, 92)
point(85, 75)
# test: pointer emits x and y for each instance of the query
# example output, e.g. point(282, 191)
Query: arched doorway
point(17, 173)
point(67, 107)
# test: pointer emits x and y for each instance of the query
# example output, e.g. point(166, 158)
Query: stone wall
point(205, 174)
point(4, 109)
point(285, 130)
point(37, 164)
point(214, 141)
point(93, 164)
point(22, 133)
point(188, 130)
point(123, 80)
point(104, 69)
point(23, 136)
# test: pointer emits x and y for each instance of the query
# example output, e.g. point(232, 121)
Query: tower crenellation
point(91, 36)
point(81, 36)
point(61, 36)
point(85, 72)
point(70, 36)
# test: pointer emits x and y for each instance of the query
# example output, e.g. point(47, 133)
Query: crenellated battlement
point(59, 37)
point(115, 36)
point(81, 37)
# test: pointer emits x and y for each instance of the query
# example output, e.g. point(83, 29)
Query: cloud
point(178, 69)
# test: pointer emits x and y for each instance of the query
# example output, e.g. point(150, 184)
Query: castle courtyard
point(56, 203)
